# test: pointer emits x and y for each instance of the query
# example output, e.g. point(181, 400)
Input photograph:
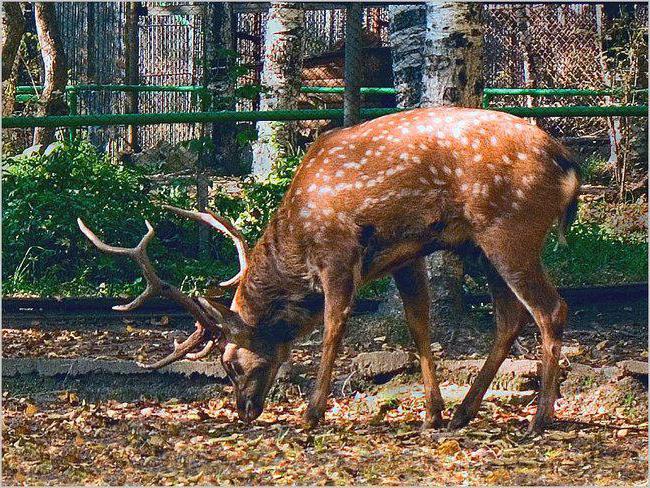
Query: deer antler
point(222, 225)
point(211, 320)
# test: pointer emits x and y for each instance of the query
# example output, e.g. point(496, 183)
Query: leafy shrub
point(45, 253)
point(259, 199)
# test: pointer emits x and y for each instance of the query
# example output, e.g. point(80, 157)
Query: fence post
point(352, 93)
point(73, 109)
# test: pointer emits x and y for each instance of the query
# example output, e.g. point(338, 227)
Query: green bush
point(45, 253)
point(259, 199)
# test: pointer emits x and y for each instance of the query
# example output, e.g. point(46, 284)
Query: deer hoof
point(434, 422)
point(312, 418)
point(538, 425)
point(460, 419)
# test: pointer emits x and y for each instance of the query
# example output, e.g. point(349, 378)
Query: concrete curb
point(83, 366)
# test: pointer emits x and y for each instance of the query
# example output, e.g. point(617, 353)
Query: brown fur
point(373, 199)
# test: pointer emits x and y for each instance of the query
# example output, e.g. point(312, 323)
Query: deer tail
point(570, 186)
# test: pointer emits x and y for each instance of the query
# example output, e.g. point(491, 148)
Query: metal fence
point(543, 45)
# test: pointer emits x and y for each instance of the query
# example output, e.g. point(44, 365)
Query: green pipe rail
point(489, 93)
point(185, 117)
point(287, 115)
point(23, 92)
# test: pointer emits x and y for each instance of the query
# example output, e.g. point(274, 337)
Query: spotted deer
point(372, 200)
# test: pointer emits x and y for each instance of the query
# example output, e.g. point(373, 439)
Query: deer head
point(249, 359)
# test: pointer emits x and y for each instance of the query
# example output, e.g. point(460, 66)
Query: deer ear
point(235, 329)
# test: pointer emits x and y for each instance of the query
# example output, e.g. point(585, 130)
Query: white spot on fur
point(494, 141)
point(459, 172)
point(339, 173)
point(477, 157)
point(304, 213)
point(506, 159)
point(312, 187)
point(464, 187)
point(522, 156)
point(446, 169)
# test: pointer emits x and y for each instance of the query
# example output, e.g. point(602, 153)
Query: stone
point(82, 366)
point(383, 363)
point(630, 367)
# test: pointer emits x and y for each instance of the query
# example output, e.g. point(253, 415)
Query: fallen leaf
point(30, 410)
point(449, 446)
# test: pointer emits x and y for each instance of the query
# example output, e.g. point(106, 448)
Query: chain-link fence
point(527, 45)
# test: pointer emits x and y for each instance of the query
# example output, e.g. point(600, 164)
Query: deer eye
point(237, 369)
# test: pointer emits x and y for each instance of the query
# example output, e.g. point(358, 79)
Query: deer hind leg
point(510, 316)
point(524, 274)
point(413, 286)
point(339, 294)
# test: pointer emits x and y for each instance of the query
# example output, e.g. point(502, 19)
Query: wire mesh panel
point(93, 41)
point(171, 53)
point(563, 51)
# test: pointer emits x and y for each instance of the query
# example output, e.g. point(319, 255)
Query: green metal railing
point(74, 120)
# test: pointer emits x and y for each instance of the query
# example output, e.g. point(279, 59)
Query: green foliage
point(594, 170)
point(45, 253)
point(596, 254)
point(260, 199)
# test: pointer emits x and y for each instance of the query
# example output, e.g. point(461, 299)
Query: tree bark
point(132, 70)
point(56, 77)
point(13, 28)
point(281, 77)
point(221, 83)
point(437, 54)
point(453, 59)
point(407, 27)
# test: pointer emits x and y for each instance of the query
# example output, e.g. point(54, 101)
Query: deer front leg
point(413, 287)
point(339, 293)
point(510, 316)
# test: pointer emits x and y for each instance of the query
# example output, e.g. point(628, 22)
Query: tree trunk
point(438, 60)
point(56, 77)
point(407, 27)
point(453, 59)
point(132, 69)
point(281, 76)
point(221, 83)
point(529, 63)
point(13, 28)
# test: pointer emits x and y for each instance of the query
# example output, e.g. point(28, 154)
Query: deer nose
point(251, 411)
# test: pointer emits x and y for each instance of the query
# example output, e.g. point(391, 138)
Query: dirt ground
point(598, 336)
point(600, 436)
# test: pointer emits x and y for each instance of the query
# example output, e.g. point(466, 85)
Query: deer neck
point(275, 290)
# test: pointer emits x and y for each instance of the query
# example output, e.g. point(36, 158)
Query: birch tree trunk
point(56, 77)
point(281, 76)
point(453, 75)
point(13, 28)
point(407, 27)
point(437, 54)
